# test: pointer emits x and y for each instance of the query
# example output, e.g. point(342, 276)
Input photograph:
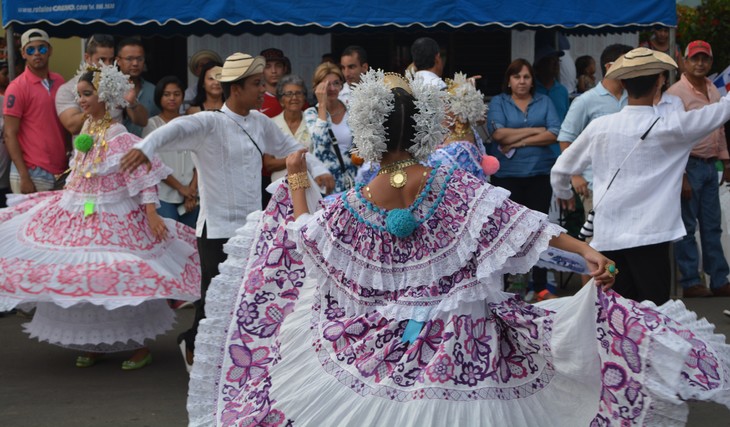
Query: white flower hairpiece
point(465, 103)
point(371, 103)
point(430, 131)
point(111, 84)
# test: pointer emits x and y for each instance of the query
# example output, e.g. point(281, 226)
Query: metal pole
point(10, 46)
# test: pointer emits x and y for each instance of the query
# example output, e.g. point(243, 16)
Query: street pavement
point(40, 386)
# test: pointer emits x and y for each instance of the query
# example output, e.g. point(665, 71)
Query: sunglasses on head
point(42, 49)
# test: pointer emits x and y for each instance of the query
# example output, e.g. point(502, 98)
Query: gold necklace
point(398, 176)
point(420, 188)
point(83, 170)
point(99, 127)
point(97, 130)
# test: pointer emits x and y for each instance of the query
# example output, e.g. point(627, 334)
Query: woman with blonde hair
point(327, 124)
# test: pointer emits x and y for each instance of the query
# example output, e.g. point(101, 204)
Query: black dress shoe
point(696, 291)
point(722, 291)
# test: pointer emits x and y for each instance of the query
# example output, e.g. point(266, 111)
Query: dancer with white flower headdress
point(465, 109)
point(96, 258)
point(386, 308)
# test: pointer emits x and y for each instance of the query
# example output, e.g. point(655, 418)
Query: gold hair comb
point(394, 80)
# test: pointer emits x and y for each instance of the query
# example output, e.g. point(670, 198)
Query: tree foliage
point(710, 22)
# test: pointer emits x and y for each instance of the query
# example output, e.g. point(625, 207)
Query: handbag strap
point(643, 137)
point(336, 147)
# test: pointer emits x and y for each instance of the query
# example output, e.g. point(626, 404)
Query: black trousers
point(534, 192)
point(265, 195)
point(3, 197)
point(211, 255)
point(644, 272)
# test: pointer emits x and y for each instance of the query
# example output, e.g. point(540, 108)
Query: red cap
point(698, 46)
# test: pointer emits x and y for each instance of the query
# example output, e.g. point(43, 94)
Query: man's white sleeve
point(182, 133)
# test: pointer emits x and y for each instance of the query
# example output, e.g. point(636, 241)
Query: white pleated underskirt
point(89, 327)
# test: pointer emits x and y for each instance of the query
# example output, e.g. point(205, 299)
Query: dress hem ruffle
point(213, 331)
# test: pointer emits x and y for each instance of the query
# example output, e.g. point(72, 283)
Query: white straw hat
point(639, 62)
point(239, 66)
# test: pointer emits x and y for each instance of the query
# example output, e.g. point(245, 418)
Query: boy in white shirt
point(638, 158)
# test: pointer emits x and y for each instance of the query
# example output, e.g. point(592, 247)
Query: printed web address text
point(66, 8)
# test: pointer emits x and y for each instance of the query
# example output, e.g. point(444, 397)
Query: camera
point(587, 230)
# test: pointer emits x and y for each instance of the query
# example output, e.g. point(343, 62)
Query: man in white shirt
point(354, 63)
point(607, 97)
point(567, 65)
point(227, 147)
point(641, 156)
point(426, 55)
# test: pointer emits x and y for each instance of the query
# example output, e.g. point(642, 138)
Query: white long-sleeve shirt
point(642, 207)
point(228, 163)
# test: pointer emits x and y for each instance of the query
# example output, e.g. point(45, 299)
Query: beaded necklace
point(401, 222)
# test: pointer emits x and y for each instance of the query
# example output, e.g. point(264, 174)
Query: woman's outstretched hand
point(602, 269)
point(157, 224)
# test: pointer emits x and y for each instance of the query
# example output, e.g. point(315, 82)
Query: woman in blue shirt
point(523, 126)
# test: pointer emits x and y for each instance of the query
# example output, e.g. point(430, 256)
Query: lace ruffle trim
point(210, 344)
point(517, 250)
point(668, 387)
point(485, 286)
point(319, 242)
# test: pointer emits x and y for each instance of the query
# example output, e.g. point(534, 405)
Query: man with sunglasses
point(131, 60)
point(35, 139)
point(99, 48)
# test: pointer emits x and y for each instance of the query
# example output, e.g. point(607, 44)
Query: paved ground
point(39, 385)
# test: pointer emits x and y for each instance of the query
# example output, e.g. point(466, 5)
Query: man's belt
point(704, 160)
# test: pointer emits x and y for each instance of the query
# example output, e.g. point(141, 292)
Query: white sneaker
point(184, 350)
point(726, 313)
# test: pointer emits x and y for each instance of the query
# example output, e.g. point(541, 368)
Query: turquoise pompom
point(400, 223)
point(83, 143)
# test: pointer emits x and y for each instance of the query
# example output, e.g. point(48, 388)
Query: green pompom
point(83, 142)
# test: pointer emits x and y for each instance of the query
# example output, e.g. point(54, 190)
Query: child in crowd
point(585, 66)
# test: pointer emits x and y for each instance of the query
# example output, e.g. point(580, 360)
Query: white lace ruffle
point(299, 378)
point(92, 328)
point(170, 259)
point(454, 257)
point(220, 304)
point(312, 395)
point(703, 330)
point(517, 252)
point(119, 142)
point(665, 357)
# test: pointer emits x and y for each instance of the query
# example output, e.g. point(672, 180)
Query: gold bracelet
point(297, 181)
